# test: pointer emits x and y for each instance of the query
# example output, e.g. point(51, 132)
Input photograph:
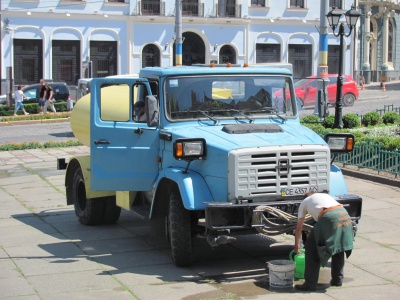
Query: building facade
point(379, 40)
point(66, 40)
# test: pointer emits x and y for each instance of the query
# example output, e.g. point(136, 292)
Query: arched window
point(193, 49)
point(151, 56)
point(227, 55)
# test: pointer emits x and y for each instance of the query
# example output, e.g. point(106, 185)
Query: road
point(46, 254)
point(370, 99)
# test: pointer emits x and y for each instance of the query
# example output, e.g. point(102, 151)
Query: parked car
point(60, 89)
point(3, 100)
point(306, 90)
point(83, 87)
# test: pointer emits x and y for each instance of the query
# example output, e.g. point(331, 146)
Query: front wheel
point(349, 99)
point(179, 230)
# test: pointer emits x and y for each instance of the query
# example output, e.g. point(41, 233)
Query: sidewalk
point(46, 254)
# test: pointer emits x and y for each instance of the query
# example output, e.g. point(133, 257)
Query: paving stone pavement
point(45, 253)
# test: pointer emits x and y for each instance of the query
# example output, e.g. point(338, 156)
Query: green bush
point(371, 119)
point(310, 119)
point(388, 143)
point(318, 128)
point(390, 117)
point(329, 121)
point(351, 121)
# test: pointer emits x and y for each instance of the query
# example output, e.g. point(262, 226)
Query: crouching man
point(331, 236)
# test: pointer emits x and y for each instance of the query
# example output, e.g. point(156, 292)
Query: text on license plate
point(297, 191)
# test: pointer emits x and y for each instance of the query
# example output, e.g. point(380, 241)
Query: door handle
point(101, 142)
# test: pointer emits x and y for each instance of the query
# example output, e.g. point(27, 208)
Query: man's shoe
point(336, 283)
point(305, 288)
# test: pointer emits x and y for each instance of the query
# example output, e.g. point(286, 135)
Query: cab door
point(124, 152)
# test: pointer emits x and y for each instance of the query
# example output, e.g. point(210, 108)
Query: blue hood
point(292, 133)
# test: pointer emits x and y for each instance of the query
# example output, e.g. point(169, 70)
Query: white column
point(385, 39)
point(367, 28)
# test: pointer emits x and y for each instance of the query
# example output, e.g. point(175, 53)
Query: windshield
point(215, 97)
point(301, 82)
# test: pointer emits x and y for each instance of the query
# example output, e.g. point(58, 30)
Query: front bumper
point(220, 215)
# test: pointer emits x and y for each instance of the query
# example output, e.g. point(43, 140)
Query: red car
point(306, 90)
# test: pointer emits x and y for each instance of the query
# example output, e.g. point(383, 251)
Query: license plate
point(297, 191)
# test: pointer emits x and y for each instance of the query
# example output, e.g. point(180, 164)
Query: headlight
point(340, 142)
point(189, 149)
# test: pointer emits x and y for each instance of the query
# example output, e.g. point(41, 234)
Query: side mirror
point(152, 111)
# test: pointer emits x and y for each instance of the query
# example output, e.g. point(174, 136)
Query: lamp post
point(335, 19)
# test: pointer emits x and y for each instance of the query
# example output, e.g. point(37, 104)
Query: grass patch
point(22, 117)
point(37, 145)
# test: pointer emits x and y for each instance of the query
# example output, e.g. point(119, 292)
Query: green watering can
point(300, 263)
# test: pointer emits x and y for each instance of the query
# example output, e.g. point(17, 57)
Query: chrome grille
point(257, 172)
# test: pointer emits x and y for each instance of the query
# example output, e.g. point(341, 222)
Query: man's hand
point(297, 235)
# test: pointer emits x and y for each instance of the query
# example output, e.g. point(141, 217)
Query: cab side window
point(115, 103)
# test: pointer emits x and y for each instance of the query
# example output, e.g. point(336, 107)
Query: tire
point(179, 230)
point(112, 212)
point(88, 211)
point(349, 99)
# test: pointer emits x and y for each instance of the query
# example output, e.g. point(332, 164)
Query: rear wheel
point(179, 230)
point(88, 211)
point(349, 99)
point(92, 211)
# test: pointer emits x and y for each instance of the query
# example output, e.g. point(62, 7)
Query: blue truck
point(205, 151)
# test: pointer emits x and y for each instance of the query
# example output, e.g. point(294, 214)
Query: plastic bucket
point(281, 273)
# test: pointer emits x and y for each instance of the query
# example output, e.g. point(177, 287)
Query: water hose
point(267, 226)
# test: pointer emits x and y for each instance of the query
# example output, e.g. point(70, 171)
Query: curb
point(371, 177)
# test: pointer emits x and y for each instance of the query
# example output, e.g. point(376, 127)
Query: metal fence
point(370, 155)
point(388, 107)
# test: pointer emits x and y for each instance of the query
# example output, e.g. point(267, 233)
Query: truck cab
point(201, 151)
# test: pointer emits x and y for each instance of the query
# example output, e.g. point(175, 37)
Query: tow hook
point(216, 240)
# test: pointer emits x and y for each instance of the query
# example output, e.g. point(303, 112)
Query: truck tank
point(113, 107)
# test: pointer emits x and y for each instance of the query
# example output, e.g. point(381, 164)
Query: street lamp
point(335, 19)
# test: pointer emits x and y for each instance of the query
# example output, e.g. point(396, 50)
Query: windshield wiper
point(207, 115)
point(236, 111)
point(269, 110)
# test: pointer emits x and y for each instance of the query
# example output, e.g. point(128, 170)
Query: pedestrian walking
point(19, 98)
point(331, 237)
point(49, 100)
point(42, 95)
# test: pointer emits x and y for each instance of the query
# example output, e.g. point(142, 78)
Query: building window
point(333, 58)
point(297, 3)
point(28, 61)
point(257, 2)
point(151, 56)
point(300, 56)
point(151, 7)
point(190, 8)
point(227, 8)
point(267, 53)
point(66, 61)
point(103, 55)
point(336, 3)
point(227, 55)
